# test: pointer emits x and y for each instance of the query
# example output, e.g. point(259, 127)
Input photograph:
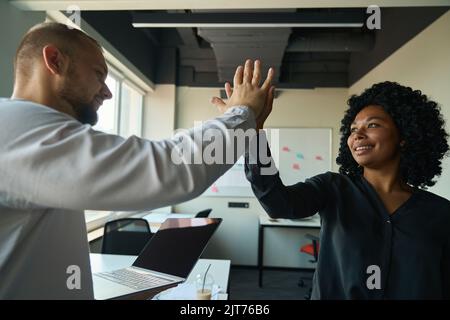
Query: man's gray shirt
point(53, 167)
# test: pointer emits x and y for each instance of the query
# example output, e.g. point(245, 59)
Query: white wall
point(236, 239)
point(159, 117)
point(422, 63)
point(293, 108)
point(13, 25)
point(159, 112)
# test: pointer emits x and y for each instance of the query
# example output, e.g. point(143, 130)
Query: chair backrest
point(203, 213)
point(126, 236)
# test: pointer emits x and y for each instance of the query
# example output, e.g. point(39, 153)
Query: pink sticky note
point(286, 149)
point(214, 189)
point(296, 166)
point(319, 158)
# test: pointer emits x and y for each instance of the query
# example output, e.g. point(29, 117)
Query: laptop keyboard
point(134, 280)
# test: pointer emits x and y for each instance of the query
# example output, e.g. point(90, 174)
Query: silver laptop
point(167, 258)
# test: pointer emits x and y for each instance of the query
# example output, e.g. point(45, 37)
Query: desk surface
point(220, 269)
point(314, 221)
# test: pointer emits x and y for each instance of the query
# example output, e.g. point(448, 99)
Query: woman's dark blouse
point(411, 246)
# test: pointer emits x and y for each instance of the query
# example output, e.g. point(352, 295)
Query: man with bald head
point(68, 65)
point(53, 165)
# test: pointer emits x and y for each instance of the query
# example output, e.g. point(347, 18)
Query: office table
point(267, 222)
point(220, 269)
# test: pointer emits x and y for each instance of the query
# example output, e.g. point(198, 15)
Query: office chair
point(203, 214)
point(311, 249)
point(126, 236)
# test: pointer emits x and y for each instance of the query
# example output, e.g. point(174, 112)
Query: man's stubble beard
point(70, 92)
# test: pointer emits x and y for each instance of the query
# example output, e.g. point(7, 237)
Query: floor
point(277, 284)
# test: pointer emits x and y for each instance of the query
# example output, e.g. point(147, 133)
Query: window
point(130, 111)
point(108, 113)
point(122, 114)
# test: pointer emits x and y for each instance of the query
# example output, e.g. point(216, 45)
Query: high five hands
point(246, 91)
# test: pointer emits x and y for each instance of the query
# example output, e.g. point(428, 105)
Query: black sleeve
point(300, 200)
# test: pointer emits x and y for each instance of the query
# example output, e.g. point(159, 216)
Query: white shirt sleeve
point(57, 162)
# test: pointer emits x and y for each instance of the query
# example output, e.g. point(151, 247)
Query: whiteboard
point(299, 153)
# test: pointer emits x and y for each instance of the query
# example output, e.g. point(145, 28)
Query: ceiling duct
point(233, 46)
point(332, 42)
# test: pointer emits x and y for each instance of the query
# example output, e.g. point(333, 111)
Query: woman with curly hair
point(376, 214)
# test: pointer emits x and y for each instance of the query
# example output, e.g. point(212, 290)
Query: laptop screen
point(177, 245)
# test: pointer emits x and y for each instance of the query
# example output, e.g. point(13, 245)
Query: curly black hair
point(419, 122)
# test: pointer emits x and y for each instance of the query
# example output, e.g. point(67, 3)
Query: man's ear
point(54, 60)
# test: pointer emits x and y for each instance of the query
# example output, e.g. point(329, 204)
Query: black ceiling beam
point(322, 18)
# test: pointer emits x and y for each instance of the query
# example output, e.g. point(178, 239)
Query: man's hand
point(247, 92)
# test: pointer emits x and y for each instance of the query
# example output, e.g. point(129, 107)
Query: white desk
point(313, 222)
point(267, 222)
point(220, 269)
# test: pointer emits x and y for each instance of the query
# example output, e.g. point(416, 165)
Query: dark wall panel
point(398, 26)
point(115, 26)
